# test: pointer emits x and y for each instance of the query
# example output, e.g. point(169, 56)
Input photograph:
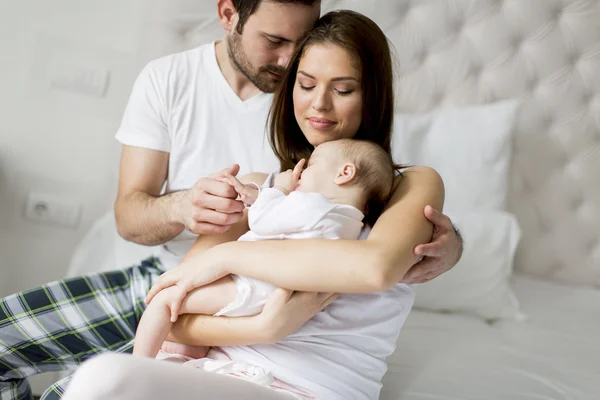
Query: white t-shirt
point(341, 352)
point(183, 105)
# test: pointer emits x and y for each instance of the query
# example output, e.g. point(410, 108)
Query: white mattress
point(553, 355)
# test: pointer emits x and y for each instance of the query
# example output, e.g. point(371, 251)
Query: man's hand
point(287, 181)
point(441, 254)
point(248, 192)
point(210, 206)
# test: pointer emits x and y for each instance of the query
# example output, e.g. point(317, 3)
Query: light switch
point(80, 78)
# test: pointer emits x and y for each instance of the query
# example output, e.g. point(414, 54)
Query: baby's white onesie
point(299, 215)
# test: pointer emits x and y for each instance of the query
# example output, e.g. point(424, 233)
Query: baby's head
point(357, 171)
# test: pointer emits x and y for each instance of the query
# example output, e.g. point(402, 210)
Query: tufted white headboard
point(459, 52)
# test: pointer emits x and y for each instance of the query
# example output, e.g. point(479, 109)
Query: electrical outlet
point(50, 209)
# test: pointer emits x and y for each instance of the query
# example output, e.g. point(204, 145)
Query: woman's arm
point(343, 266)
point(283, 314)
point(205, 330)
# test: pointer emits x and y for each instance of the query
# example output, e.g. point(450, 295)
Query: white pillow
point(471, 149)
point(102, 249)
point(479, 283)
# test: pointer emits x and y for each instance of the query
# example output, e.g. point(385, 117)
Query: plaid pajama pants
point(61, 324)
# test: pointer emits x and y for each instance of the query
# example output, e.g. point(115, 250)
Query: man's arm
point(144, 216)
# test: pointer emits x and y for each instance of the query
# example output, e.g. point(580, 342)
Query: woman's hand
point(287, 311)
point(441, 254)
point(190, 274)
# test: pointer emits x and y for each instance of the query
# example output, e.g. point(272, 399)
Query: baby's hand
point(248, 193)
point(287, 181)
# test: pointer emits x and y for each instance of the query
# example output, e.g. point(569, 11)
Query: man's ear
point(345, 174)
point(228, 15)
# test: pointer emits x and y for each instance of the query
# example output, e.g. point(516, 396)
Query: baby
point(344, 181)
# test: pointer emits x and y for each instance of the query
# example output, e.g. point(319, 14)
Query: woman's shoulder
point(419, 176)
point(422, 170)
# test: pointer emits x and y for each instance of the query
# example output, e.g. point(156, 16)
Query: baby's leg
point(180, 349)
point(210, 299)
point(156, 323)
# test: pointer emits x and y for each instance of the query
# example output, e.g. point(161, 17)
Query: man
point(189, 114)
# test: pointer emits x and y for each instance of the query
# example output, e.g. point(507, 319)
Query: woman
point(339, 85)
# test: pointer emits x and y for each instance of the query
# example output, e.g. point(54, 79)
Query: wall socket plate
point(51, 209)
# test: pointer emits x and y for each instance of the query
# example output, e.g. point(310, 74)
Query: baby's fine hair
point(375, 173)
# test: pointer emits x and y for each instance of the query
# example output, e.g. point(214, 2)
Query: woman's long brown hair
point(369, 47)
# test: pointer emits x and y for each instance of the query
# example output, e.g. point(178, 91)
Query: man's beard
point(258, 76)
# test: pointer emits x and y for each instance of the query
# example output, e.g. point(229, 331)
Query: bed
point(553, 355)
point(464, 53)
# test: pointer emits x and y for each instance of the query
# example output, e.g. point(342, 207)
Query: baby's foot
point(185, 350)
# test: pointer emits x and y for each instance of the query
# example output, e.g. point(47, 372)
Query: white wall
point(53, 140)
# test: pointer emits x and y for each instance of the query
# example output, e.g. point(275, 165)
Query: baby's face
point(322, 167)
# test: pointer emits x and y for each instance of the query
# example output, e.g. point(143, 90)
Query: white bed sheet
point(553, 355)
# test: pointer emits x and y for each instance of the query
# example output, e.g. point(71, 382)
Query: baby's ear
point(345, 174)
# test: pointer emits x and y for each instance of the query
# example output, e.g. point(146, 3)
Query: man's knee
point(102, 377)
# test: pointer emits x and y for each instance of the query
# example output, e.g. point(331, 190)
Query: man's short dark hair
point(245, 8)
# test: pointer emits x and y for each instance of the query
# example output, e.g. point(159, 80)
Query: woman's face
point(327, 94)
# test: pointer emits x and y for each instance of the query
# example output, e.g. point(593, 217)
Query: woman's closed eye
point(339, 92)
point(344, 92)
point(306, 88)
